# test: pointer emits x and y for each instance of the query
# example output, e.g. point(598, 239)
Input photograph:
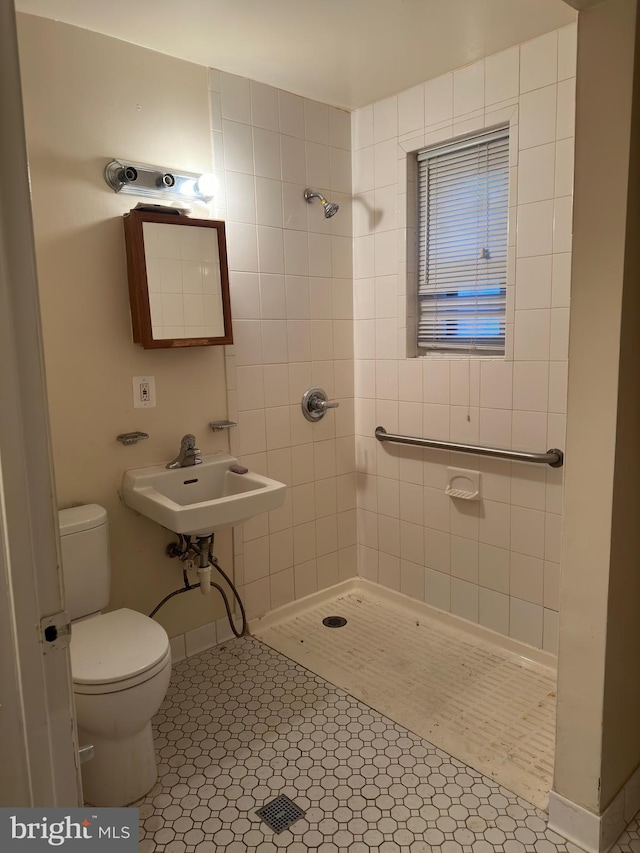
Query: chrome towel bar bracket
point(553, 457)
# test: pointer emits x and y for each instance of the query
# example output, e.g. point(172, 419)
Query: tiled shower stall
point(305, 314)
point(495, 561)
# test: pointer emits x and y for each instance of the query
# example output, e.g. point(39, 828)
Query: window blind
point(463, 199)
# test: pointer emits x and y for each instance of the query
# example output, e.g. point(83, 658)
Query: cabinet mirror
point(178, 280)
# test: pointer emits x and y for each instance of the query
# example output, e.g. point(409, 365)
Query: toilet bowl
point(120, 665)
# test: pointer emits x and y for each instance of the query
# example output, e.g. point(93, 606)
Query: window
point(462, 244)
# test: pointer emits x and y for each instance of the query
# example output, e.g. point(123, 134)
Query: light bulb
point(207, 185)
point(189, 188)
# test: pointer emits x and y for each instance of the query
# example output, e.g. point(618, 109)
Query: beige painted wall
point(621, 732)
point(598, 737)
point(89, 98)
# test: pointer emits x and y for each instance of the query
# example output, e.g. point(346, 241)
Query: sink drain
point(280, 813)
point(334, 622)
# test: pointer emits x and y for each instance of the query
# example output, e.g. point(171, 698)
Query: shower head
point(330, 208)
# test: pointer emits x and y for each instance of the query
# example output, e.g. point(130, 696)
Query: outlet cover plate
point(144, 392)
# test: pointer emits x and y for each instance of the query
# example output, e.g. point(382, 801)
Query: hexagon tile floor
point(242, 724)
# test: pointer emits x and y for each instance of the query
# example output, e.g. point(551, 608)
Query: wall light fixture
point(124, 176)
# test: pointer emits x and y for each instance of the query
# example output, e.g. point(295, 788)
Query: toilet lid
point(115, 646)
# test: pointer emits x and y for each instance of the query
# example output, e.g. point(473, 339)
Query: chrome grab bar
point(553, 457)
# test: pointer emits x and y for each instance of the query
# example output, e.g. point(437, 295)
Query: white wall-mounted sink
point(200, 499)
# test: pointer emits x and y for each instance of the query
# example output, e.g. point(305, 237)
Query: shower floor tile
point(467, 695)
point(242, 724)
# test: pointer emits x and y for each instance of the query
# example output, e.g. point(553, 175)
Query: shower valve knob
point(315, 404)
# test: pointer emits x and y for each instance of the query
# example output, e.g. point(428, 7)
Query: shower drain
point(280, 813)
point(334, 622)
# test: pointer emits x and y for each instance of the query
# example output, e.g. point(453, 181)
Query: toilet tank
point(86, 567)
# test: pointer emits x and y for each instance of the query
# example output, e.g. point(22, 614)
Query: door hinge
point(55, 631)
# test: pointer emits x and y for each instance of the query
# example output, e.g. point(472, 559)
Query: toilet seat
point(117, 650)
point(103, 688)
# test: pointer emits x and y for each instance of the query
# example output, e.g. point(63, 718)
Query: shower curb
point(414, 608)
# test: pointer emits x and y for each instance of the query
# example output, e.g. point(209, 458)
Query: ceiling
point(343, 52)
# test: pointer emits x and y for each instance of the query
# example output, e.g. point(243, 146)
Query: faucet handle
point(191, 452)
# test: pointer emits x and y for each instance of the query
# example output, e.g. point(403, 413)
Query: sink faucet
point(189, 453)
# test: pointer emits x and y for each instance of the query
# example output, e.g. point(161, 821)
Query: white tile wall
point(299, 319)
point(292, 305)
point(495, 561)
point(199, 639)
point(539, 62)
point(502, 72)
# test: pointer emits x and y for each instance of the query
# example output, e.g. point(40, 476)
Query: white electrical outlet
point(144, 392)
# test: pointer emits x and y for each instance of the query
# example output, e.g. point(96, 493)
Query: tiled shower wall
point(292, 306)
point(493, 561)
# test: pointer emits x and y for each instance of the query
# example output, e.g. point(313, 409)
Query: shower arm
point(330, 208)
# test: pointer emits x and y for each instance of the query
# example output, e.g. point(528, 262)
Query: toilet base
point(121, 771)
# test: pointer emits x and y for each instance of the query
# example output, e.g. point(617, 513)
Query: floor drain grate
point(334, 622)
point(280, 813)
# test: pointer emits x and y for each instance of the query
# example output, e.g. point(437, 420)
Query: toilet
point(120, 664)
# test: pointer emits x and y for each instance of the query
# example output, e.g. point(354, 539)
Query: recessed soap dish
point(463, 484)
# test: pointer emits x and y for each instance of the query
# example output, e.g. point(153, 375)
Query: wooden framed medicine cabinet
point(178, 280)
